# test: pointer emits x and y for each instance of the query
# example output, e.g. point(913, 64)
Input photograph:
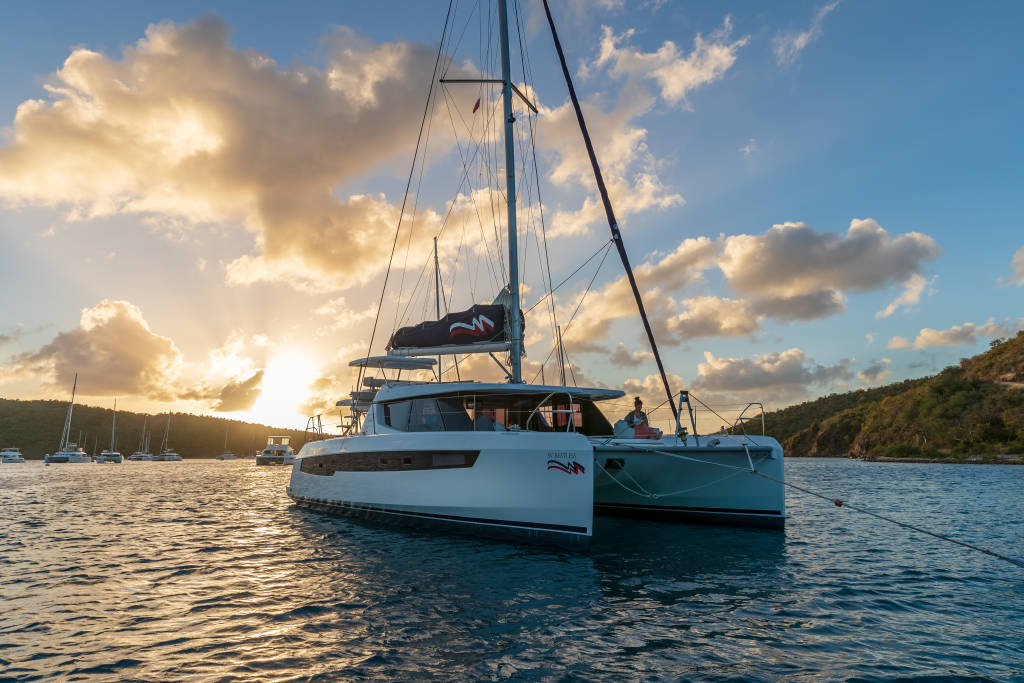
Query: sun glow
point(288, 375)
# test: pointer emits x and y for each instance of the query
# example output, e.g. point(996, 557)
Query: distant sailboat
point(110, 455)
point(143, 452)
point(68, 452)
point(166, 452)
point(226, 454)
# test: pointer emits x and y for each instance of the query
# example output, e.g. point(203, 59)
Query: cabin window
point(425, 416)
point(396, 415)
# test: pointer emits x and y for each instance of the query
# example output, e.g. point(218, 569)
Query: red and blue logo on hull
point(571, 467)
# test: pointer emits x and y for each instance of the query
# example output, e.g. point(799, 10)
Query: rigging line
point(838, 502)
point(613, 224)
point(573, 316)
point(455, 47)
point(466, 167)
point(603, 247)
point(408, 185)
point(451, 207)
point(415, 208)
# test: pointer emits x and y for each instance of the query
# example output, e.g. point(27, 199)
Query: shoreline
point(1001, 459)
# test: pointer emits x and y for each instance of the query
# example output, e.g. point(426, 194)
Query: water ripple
point(204, 570)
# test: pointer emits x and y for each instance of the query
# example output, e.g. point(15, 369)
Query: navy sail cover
point(481, 323)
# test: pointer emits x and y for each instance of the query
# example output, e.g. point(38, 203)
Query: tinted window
point(397, 414)
point(454, 415)
point(425, 416)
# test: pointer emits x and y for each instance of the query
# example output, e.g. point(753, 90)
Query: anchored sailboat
point(67, 451)
point(517, 457)
point(110, 455)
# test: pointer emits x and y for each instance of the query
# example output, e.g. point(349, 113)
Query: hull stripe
point(345, 506)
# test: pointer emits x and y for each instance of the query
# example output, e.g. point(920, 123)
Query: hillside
point(35, 426)
point(971, 410)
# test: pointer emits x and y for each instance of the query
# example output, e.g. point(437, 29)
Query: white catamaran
point(68, 452)
point(166, 452)
point(518, 457)
point(142, 454)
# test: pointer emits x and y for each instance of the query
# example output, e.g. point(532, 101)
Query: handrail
point(571, 411)
point(739, 421)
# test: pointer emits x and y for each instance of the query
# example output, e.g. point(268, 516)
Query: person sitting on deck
point(637, 419)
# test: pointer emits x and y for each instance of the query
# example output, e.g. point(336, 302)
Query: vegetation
point(976, 409)
point(35, 426)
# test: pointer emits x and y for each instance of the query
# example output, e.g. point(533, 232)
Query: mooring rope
point(838, 502)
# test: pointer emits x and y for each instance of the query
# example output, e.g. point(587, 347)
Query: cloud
point(875, 373)
point(114, 352)
point(778, 376)
point(911, 295)
point(788, 46)
point(239, 395)
point(186, 127)
point(958, 335)
point(675, 74)
point(712, 316)
point(796, 272)
point(749, 148)
point(870, 337)
point(623, 357)
point(1017, 265)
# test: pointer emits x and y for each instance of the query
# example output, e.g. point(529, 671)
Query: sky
point(198, 200)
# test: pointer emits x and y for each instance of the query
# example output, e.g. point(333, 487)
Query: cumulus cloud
point(185, 126)
point(623, 357)
point(796, 272)
point(676, 74)
point(875, 373)
point(958, 335)
point(910, 296)
point(788, 46)
point(239, 395)
point(113, 350)
point(781, 376)
point(712, 316)
point(790, 272)
point(1017, 265)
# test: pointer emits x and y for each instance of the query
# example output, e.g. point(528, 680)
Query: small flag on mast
point(477, 105)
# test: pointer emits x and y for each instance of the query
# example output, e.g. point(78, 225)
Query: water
point(204, 570)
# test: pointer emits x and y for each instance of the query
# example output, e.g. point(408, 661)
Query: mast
point(167, 431)
point(66, 433)
point(613, 224)
point(510, 196)
point(437, 297)
point(113, 426)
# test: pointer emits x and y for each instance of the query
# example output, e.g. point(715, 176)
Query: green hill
point(35, 427)
point(976, 409)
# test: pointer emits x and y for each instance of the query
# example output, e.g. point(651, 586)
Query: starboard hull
point(670, 481)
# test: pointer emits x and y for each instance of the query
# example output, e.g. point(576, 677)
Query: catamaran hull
point(709, 485)
point(527, 485)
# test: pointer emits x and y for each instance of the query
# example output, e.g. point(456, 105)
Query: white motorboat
point(276, 452)
point(110, 455)
point(520, 458)
point(68, 452)
point(11, 455)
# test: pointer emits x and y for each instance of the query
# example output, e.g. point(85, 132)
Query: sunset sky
point(198, 199)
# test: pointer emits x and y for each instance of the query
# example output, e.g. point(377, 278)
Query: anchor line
point(838, 502)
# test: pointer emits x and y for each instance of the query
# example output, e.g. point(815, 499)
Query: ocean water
point(204, 570)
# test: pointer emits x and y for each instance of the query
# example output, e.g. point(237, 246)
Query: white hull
point(11, 459)
point(109, 458)
point(226, 456)
point(505, 484)
point(710, 482)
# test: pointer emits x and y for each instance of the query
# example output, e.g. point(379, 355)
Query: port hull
point(502, 484)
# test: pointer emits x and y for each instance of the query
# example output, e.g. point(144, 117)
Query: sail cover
point(481, 323)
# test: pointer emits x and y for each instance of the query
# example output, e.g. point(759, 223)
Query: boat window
point(396, 415)
point(454, 415)
point(425, 416)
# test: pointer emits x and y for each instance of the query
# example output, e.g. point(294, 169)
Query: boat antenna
point(510, 197)
point(612, 222)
